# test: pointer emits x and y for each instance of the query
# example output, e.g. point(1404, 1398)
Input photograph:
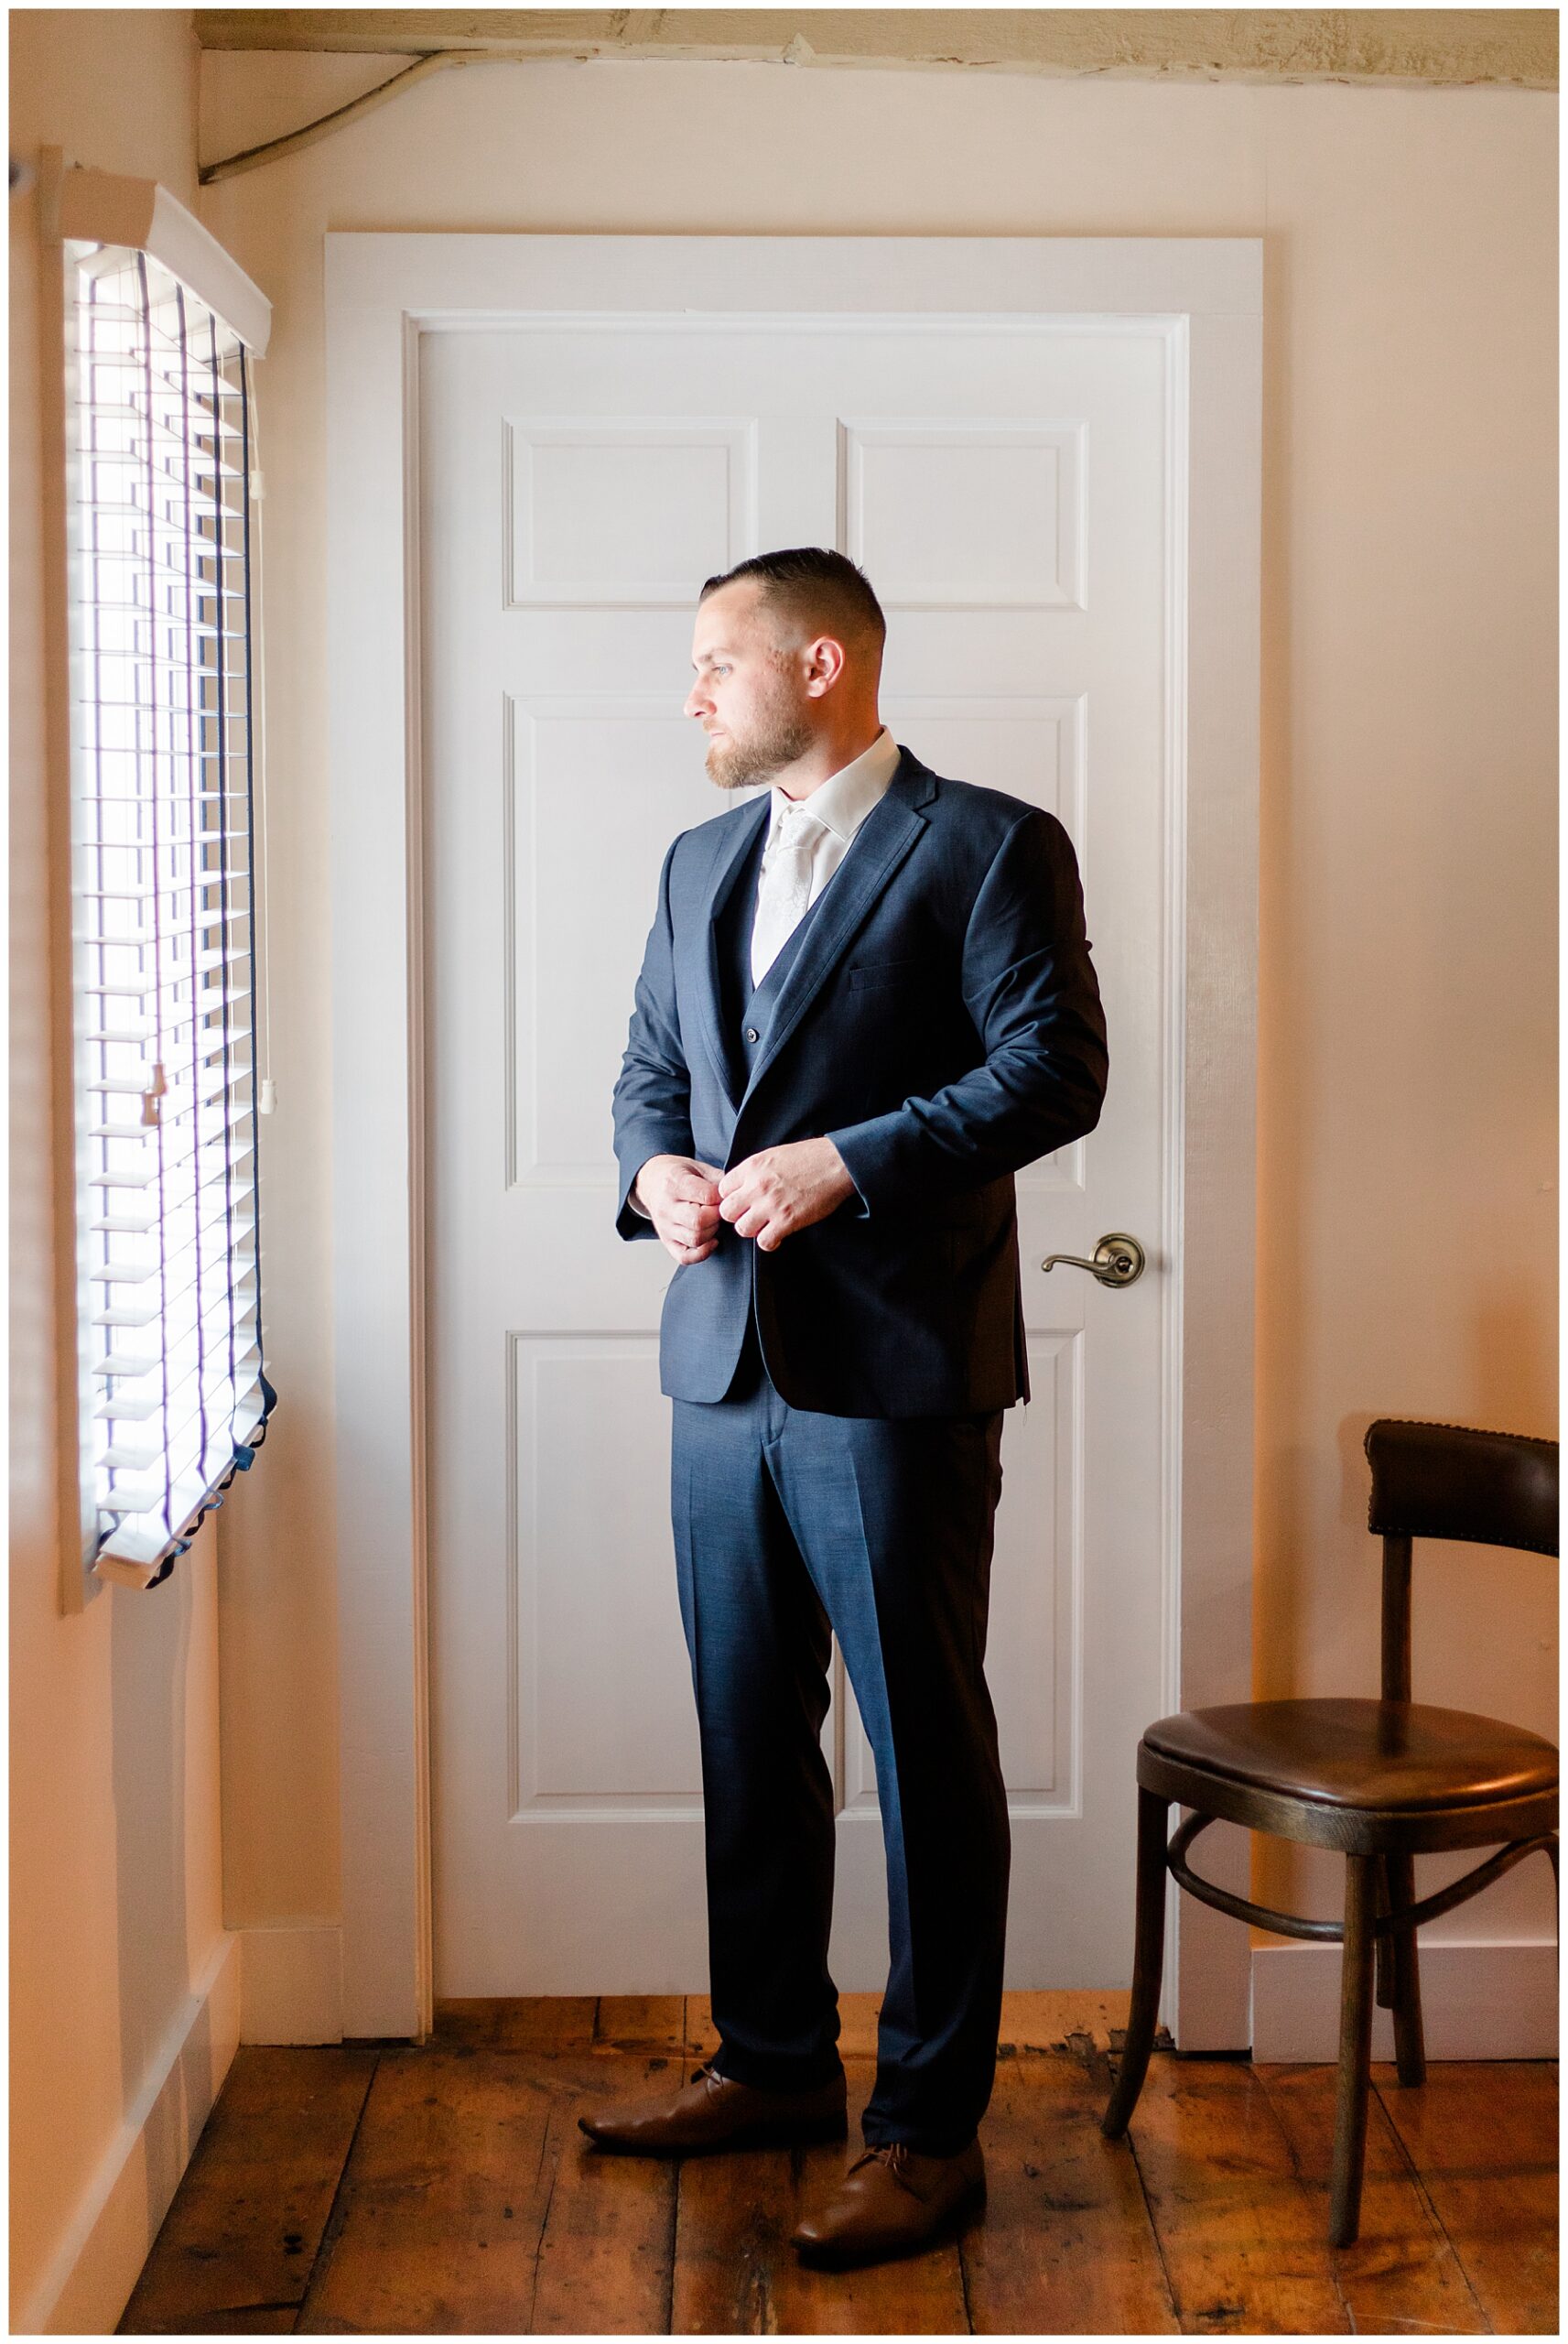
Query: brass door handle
point(1118, 1260)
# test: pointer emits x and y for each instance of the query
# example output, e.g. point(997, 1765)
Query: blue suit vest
point(748, 1008)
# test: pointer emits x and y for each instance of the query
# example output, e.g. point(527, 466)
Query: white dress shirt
point(837, 806)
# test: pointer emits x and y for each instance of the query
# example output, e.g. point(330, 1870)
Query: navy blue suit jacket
point(941, 1023)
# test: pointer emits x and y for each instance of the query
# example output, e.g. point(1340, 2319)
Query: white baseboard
point(1483, 2000)
point(88, 2281)
point(291, 1984)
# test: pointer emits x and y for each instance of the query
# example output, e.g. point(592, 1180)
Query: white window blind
point(174, 1397)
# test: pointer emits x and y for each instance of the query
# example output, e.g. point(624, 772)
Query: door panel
point(1003, 483)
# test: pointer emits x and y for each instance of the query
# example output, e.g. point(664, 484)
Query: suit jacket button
point(751, 1032)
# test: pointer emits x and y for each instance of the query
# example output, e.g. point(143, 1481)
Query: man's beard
point(781, 737)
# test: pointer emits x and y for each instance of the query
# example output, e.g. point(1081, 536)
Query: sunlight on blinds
point(174, 1397)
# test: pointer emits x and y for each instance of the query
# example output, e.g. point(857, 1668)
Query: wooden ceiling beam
point(1513, 48)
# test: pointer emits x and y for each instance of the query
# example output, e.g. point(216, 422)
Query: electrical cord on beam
point(273, 149)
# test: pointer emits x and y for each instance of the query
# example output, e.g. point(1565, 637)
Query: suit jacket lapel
point(881, 844)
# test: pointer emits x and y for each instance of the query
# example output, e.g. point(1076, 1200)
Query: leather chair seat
point(1363, 1754)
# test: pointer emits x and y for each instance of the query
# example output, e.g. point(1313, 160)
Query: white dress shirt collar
point(842, 802)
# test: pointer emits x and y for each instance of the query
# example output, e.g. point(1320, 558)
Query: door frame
point(1203, 296)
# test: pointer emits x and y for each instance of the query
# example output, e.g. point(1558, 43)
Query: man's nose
point(696, 700)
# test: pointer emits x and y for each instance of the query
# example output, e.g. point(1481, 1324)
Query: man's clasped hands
point(767, 1196)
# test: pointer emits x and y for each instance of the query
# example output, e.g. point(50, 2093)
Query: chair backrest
point(1493, 1488)
point(1496, 1489)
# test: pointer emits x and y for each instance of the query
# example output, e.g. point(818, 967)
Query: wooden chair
point(1383, 1781)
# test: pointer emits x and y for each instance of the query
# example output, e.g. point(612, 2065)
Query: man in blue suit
point(866, 1001)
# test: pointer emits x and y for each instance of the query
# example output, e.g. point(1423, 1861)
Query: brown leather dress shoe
point(715, 2112)
point(891, 2201)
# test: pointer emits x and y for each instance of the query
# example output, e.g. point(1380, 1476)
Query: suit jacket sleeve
point(652, 1104)
point(1029, 987)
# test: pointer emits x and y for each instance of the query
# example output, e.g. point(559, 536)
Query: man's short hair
point(820, 589)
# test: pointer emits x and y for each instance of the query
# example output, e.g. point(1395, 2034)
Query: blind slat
point(176, 1391)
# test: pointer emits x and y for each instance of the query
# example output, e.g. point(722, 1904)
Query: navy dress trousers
point(838, 1404)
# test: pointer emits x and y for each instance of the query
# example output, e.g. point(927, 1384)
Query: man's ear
point(824, 665)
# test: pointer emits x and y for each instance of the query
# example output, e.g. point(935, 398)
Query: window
point(159, 464)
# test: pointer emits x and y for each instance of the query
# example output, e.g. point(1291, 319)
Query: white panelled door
point(1004, 482)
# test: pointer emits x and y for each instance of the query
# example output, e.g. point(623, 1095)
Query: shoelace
point(894, 2155)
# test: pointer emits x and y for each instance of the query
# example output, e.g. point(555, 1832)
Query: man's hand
point(772, 1194)
point(681, 1194)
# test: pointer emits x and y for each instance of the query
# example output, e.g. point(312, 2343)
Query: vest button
point(752, 1034)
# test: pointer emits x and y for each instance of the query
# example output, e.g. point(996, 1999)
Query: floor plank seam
point(670, 2264)
point(964, 2286)
point(333, 2227)
point(1159, 2244)
point(544, 2218)
point(1104, 2063)
point(1309, 2190)
point(1439, 2226)
point(214, 2314)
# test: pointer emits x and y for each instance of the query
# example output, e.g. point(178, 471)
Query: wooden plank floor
point(447, 2190)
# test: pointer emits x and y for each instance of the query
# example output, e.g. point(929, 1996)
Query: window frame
point(83, 211)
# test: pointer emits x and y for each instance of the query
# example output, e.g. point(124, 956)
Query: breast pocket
point(909, 972)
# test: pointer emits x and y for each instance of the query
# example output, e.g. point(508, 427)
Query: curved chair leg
point(1409, 2038)
point(1556, 1898)
point(1385, 1955)
point(1148, 1956)
point(1355, 2048)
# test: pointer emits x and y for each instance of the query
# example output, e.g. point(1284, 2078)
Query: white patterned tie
point(785, 889)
